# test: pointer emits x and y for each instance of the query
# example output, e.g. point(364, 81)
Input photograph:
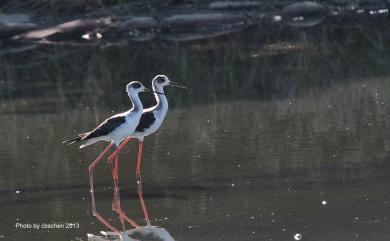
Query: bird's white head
point(135, 87)
point(162, 80)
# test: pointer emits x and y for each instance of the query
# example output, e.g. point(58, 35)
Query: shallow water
point(280, 134)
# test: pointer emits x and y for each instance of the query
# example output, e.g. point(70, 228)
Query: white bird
point(114, 129)
point(150, 122)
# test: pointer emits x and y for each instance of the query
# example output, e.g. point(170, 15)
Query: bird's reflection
point(147, 232)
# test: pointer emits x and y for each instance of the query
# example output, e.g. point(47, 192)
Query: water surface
point(282, 132)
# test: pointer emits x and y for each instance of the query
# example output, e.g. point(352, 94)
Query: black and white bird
point(114, 130)
point(153, 117)
point(150, 122)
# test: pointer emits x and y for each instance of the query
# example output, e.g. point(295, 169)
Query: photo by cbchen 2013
point(250, 120)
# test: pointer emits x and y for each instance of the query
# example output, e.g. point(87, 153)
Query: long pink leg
point(114, 172)
point(116, 197)
point(114, 169)
point(139, 184)
point(115, 153)
point(91, 170)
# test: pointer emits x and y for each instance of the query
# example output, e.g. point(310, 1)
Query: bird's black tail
point(74, 140)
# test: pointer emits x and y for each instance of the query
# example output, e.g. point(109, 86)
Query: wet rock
point(90, 31)
point(13, 24)
point(186, 27)
point(303, 14)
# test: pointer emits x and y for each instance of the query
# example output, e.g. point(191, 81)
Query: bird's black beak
point(146, 89)
point(177, 85)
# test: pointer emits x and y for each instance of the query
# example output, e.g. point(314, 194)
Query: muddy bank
point(103, 24)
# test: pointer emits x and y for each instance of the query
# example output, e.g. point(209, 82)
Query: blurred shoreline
point(24, 25)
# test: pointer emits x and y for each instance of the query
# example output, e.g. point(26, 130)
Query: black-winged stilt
point(114, 129)
point(150, 122)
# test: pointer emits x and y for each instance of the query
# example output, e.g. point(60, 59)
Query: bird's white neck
point(162, 101)
point(135, 100)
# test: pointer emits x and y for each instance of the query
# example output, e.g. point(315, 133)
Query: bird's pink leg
point(123, 144)
point(139, 184)
point(116, 197)
point(116, 206)
point(114, 168)
point(91, 170)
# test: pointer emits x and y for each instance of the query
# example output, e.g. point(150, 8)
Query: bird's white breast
point(160, 116)
point(126, 129)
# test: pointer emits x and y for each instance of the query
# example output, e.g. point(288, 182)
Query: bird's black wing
point(106, 127)
point(147, 119)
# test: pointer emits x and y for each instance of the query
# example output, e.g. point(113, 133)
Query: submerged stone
point(92, 30)
point(185, 27)
point(72, 30)
point(304, 14)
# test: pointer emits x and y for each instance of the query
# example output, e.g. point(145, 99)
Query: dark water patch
point(266, 59)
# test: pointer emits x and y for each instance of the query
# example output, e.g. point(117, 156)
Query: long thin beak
point(177, 85)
